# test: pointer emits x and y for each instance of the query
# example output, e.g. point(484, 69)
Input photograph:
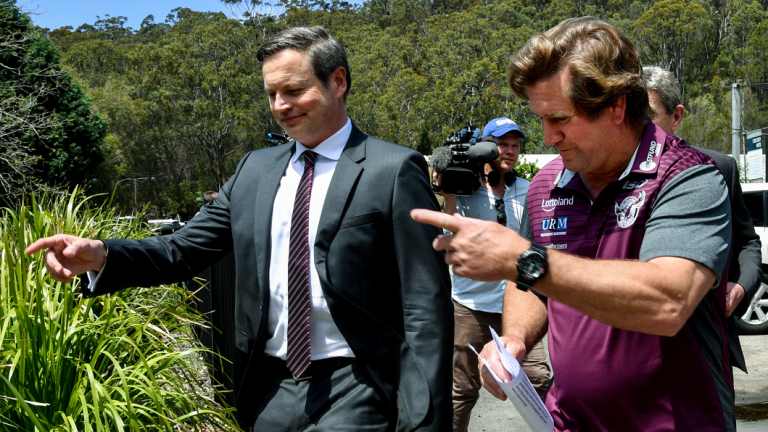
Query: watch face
point(532, 265)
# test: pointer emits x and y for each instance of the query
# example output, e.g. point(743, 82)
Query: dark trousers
point(339, 397)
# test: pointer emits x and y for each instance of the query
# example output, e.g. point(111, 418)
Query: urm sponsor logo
point(554, 224)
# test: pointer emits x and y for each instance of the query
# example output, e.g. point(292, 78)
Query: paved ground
point(492, 415)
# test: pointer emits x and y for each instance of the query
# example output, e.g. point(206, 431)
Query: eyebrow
point(291, 82)
point(558, 115)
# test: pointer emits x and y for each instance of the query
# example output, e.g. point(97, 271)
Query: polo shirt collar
point(649, 150)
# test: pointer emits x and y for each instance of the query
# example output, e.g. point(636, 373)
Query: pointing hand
point(67, 256)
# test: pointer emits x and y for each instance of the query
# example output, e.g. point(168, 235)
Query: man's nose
point(280, 103)
point(552, 136)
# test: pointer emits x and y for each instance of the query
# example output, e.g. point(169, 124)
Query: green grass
point(128, 361)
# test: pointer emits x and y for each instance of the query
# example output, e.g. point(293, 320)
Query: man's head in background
point(508, 137)
point(664, 98)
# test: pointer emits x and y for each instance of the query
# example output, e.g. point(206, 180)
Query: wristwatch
point(531, 266)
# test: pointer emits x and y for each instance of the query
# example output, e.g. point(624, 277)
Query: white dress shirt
point(327, 340)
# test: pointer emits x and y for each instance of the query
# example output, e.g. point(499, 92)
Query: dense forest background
point(176, 102)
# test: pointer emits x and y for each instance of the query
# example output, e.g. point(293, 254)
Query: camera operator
point(477, 305)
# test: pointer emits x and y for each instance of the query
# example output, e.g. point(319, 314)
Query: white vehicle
point(165, 226)
point(755, 319)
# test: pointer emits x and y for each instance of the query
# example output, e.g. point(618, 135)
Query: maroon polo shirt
point(608, 379)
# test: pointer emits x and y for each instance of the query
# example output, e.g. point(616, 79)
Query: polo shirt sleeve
point(691, 218)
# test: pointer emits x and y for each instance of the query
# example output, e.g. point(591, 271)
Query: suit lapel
point(345, 176)
point(265, 198)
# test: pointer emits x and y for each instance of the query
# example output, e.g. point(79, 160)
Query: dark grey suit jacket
point(387, 290)
point(745, 257)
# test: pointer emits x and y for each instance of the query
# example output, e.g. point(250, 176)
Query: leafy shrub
point(127, 361)
point(526, 170)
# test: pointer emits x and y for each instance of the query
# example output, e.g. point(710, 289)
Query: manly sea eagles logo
point(627, 210)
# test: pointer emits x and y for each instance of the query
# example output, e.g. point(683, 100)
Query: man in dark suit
point(744, 273)
point(342, 304)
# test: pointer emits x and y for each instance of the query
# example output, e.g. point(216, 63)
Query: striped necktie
point(299, 288)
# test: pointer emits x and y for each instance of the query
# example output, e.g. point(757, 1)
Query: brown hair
point(325, 52)
point(602, 62)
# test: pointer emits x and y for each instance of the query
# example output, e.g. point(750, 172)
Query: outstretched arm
point(147, 262)
point(67, 256)
point(655, 295)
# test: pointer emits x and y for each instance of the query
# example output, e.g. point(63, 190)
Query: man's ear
point(677, 116)
point(619, 110)
point(338, 81)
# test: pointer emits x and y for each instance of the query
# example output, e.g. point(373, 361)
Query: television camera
point(460, 161)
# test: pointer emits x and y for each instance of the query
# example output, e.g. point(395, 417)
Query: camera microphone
point(441, 158)
point(483, 151)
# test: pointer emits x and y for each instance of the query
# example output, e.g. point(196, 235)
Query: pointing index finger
point(40, 244)
point(435, 218)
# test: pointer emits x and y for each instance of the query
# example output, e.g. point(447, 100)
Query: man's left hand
point(734, 293)
point(477, 249)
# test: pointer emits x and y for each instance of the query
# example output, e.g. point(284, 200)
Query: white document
point(520, 391)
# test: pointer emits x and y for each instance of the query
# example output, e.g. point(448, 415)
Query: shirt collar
point(628, 168)
point(564, 177)
point(331, 148)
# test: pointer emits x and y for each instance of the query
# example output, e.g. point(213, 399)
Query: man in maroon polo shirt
point(628, 229)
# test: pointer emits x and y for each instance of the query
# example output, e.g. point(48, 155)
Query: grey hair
point(326, 53)
point(664, 83)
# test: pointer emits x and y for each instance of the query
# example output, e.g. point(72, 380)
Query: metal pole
point(736, 121)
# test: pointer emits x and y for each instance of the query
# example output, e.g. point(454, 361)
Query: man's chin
point(293, 132)
point(292, 123)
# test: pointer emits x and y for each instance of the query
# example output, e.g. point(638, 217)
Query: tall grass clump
point(124, 362)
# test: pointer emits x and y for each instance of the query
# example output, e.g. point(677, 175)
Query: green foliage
point(123, 362)
point(43, 114)
point(184, 98)
point(705, 123)
point(665, 35)
point(182, 108)
point(526, 170)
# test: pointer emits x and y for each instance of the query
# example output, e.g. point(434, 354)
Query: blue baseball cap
point(501, 126)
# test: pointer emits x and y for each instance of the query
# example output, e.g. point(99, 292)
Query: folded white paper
point(520, 391)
